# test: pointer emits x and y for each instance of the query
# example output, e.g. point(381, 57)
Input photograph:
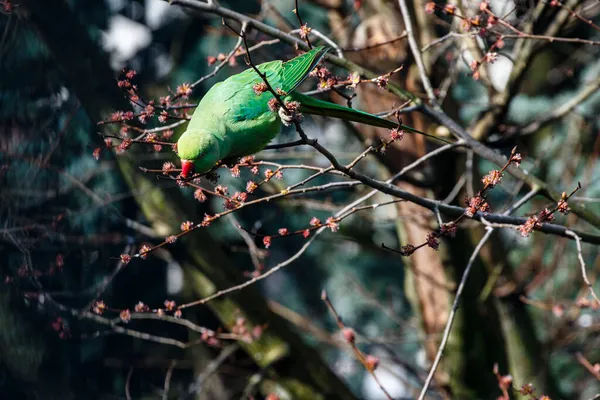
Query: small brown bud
point(267, 241)
point(140, 307)
point(371, 362)
point(259, 88)
point(349, 335)
point(99, 307)
point(144, 250)
point(125, 315)
point(407, 250)
point(186, 226)
point(449, 9)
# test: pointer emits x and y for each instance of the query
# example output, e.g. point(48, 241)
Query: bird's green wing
point(239, 101)
point(295, 71)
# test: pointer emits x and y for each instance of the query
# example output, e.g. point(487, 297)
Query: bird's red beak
point(187, 168)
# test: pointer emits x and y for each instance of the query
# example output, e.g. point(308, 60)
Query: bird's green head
point(198, 151)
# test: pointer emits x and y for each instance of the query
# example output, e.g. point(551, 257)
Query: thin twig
point(325, 38)
point(128, 383)
point(219, 66)
point(582, 263)
point(252, 248)
point(212, 367)
point(416, 52)
point(442, 39)
point(577, 15)
point(168, 376)
point(297, 12)
point(374, 46)
point(426, 157)
point(588, 90)
point(359, 354)
point(285, 145)
point(552, 39)
point(588, 365)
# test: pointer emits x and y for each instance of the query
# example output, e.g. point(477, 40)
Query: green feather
point(297, 69)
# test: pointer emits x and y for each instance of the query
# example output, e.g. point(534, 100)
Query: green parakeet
point(234, 118)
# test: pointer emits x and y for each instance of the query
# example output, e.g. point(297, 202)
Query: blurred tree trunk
point(295, 367)
point(426, 283)
point(481, 334)
point(487, 330)
point(527, 359)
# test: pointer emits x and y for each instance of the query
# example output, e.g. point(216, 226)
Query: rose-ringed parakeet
point(234, 119)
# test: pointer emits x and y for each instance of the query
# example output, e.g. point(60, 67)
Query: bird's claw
point(286, 118)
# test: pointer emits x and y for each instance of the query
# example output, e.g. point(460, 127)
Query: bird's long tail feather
point(309, 105)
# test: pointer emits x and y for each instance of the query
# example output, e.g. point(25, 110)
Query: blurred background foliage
point(66, 217)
